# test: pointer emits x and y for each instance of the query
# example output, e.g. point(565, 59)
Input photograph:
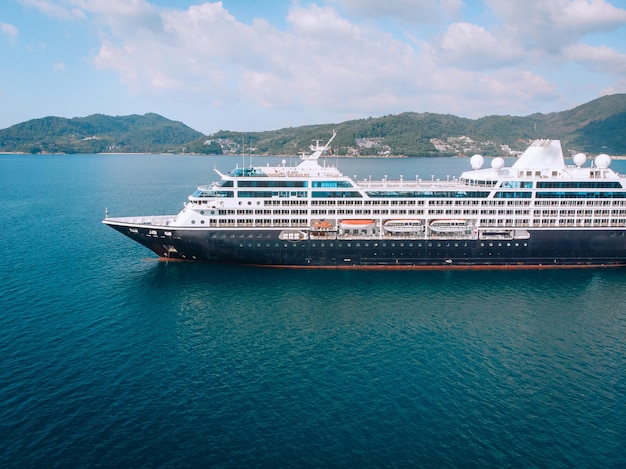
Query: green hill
point(594, 127)
point(96, 134)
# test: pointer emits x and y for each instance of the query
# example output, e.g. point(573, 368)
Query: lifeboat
point(356, 224)
point(322, 225)
point(404, 226)
point(496, 234)
point(449, 226)
point(292, 235)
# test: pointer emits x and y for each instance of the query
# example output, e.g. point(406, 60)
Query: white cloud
point(550, 25)
point(601, 59)
point(418, 11)
point(321, 61)
point(10, 31)
point(124, 18)
point(314, 20)
point(473, 93)
point(470, 46)
point(324, 62)
point(55, 9)
point(588, 16)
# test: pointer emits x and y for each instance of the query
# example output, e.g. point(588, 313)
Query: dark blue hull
point(544, 248)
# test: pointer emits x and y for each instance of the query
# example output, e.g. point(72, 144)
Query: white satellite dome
point(477, 161)
point(497, 163)
point(603, 161)
point(579, 159)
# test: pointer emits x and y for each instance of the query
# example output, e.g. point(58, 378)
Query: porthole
point(193, 222)
point(201, 212)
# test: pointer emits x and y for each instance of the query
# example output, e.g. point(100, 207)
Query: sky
point(254, 65)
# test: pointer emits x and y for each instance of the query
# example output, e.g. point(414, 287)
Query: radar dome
point(497, 163)
point(603, 161)
point(477, 161)
point(579, 159)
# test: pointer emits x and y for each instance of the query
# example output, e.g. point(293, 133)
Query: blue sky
point(254, 65)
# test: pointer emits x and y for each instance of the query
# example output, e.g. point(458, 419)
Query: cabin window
point(271, 183)
point(335, 194)
point(330, 184)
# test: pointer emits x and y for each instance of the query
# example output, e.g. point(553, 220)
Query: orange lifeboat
point(322, 225)
point(356, 224)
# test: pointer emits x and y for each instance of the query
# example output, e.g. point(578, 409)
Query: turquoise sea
point(110, 358)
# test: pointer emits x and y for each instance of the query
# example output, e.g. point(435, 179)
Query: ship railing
point(162, 220)
point(407, 184)
point(159, 220)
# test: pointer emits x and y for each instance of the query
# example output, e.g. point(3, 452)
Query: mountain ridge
point(97, 133)
point(593, 127)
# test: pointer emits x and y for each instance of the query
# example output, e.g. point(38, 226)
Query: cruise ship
point(536, 212)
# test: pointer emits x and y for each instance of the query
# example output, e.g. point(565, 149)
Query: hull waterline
point(263, 247)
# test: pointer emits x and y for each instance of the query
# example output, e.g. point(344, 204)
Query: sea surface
point(111, 358)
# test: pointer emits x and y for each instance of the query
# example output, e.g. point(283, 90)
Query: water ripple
point(113, 359)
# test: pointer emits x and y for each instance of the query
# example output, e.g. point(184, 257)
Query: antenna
point(243, 153)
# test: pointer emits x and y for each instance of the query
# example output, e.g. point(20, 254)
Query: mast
point(317, 149)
